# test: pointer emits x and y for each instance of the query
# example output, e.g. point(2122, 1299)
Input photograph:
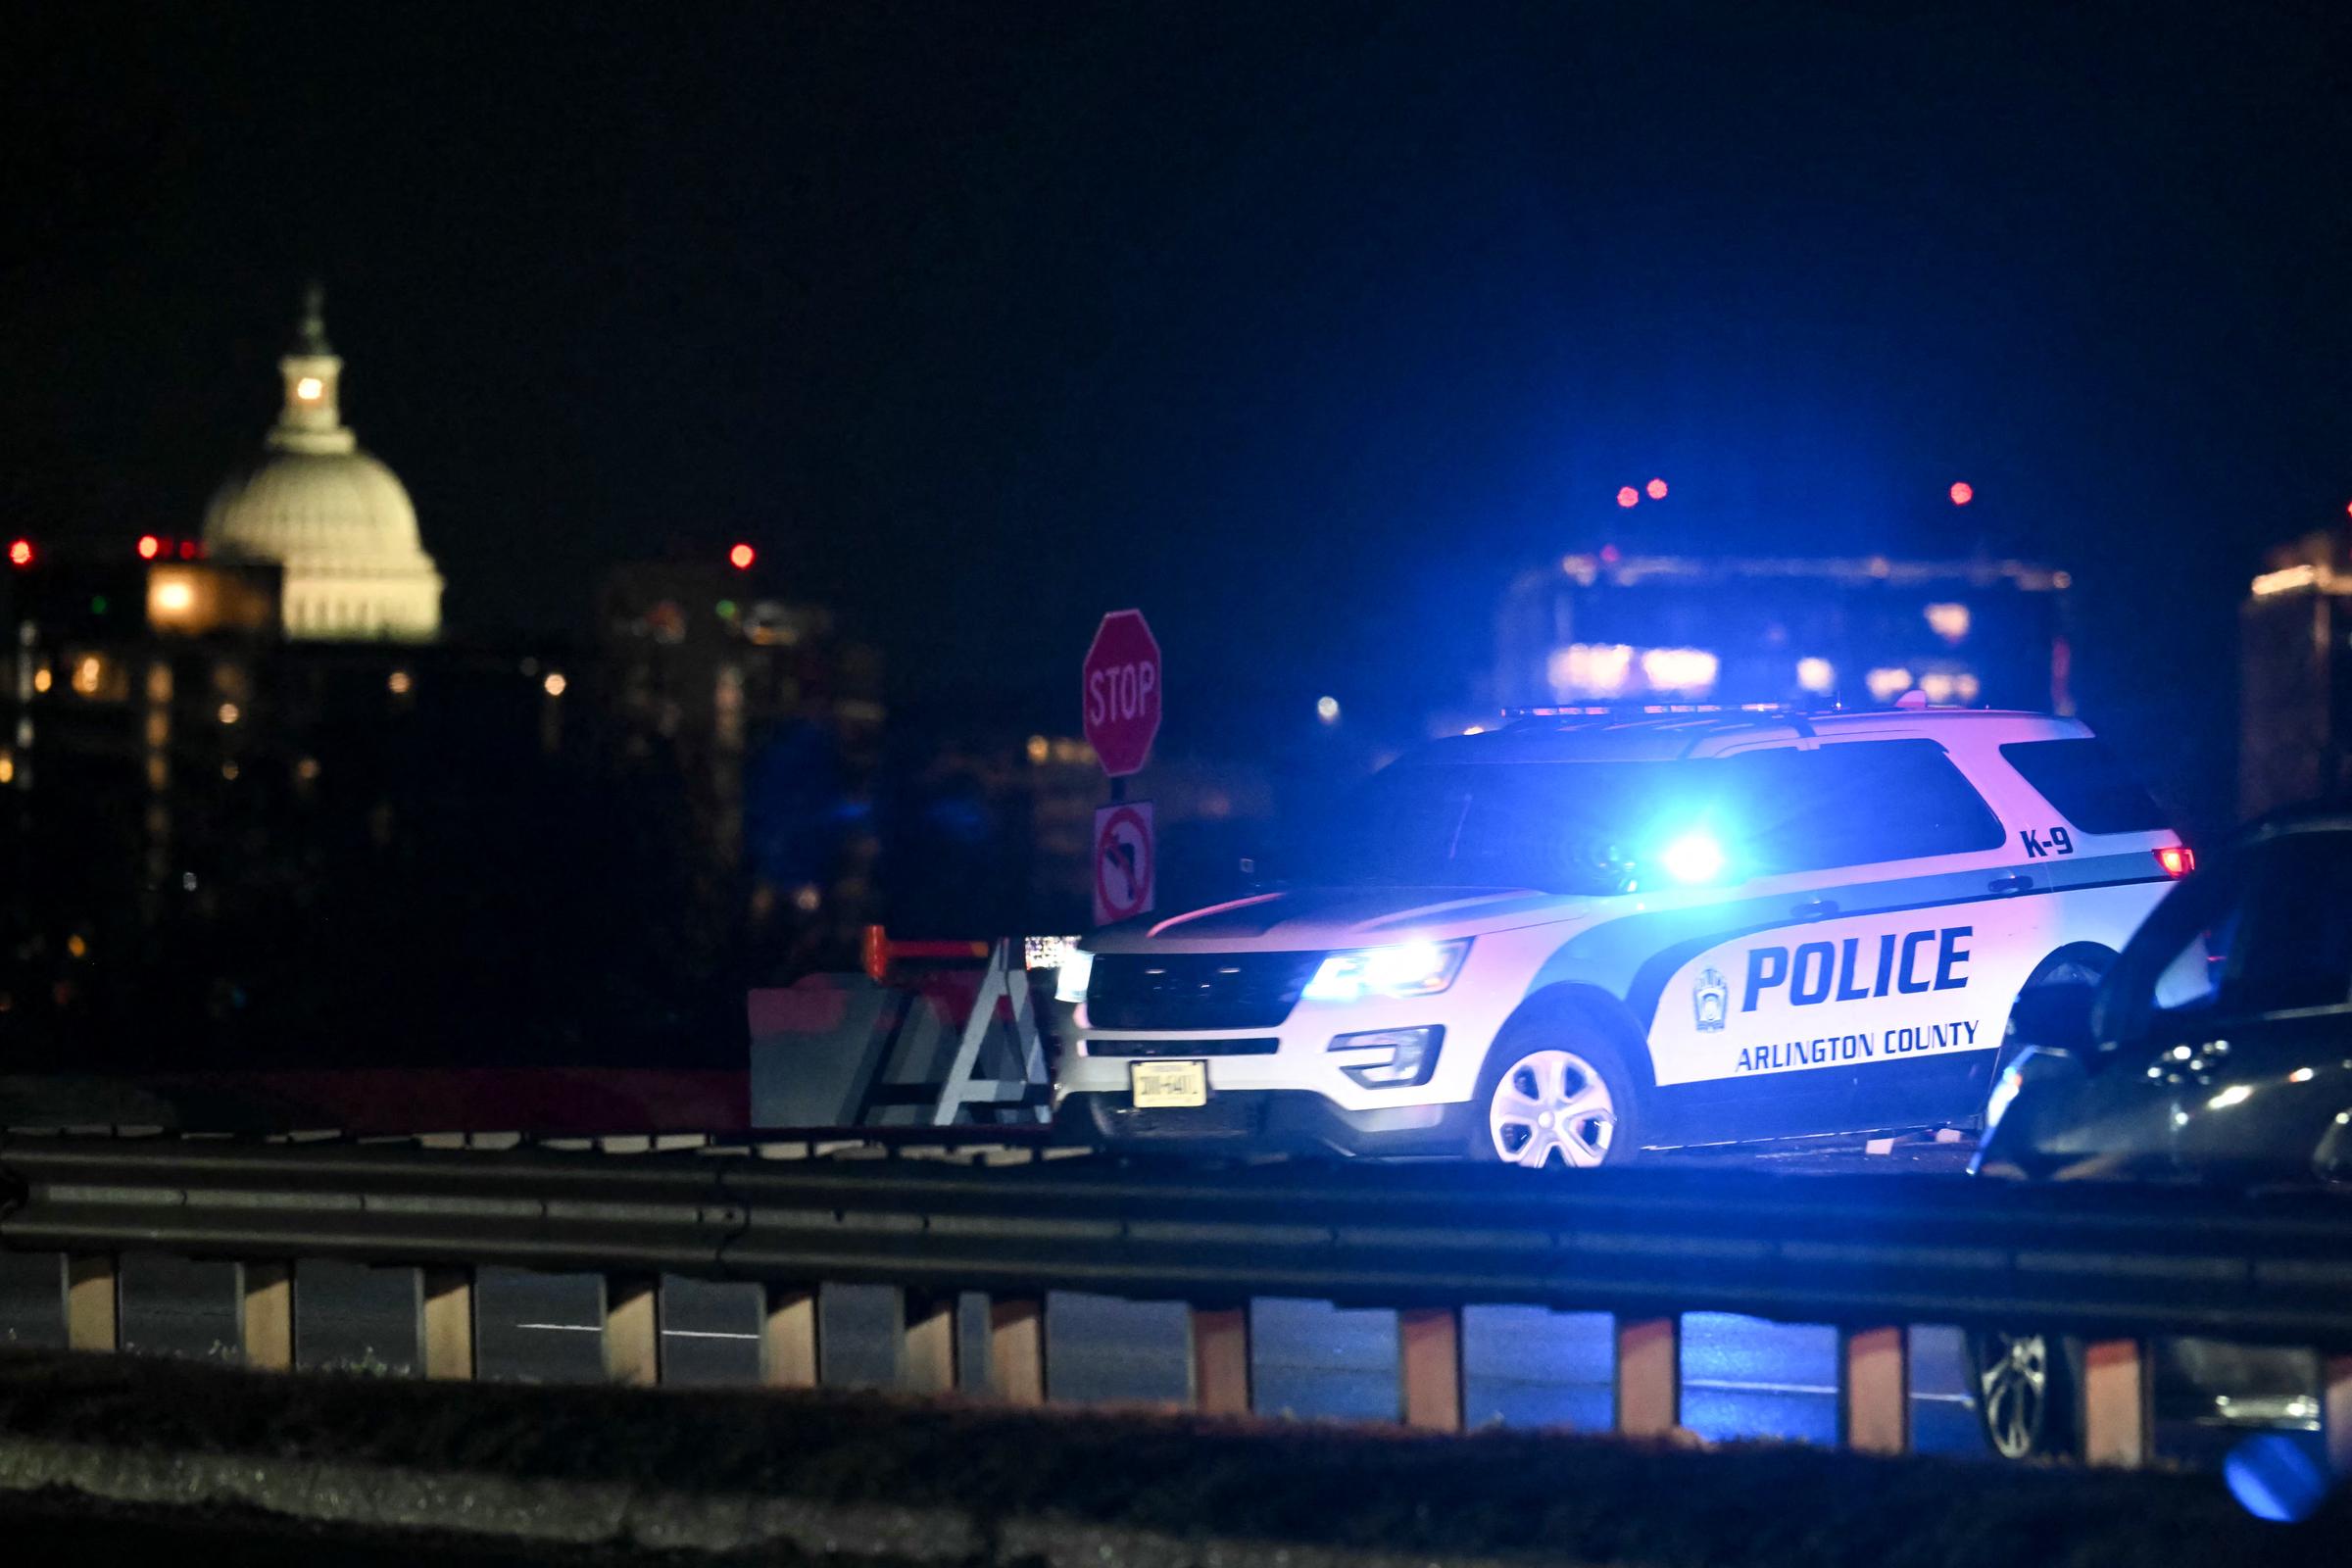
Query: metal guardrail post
point(633, 1328)
point(1016, 1348)
point(927, 1342)
point(445, 1323)
point(1429, 1367)
point(1221, 1382)
point(2336, 1411)
point(92, 1307)
point(265, 1315)
point(788, 1337)
point(1649, 1376)
point(2117, 1400)
point(1874, 1390)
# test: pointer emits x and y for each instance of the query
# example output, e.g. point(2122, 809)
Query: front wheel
point(2024, 1394)
point(1567, 1097)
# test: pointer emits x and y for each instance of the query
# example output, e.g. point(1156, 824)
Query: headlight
point(1070, 980)
point(1408, 969)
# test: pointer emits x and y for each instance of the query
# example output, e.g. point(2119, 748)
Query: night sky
point(1300, 328)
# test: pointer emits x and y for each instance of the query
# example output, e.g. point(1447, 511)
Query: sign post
point(1118, 690)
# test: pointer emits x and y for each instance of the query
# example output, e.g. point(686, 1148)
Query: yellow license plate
point(1167, 1084)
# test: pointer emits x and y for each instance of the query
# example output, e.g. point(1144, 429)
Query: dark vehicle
point(2217, 1049)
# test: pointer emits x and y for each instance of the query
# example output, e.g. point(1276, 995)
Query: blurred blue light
point(1693, 857)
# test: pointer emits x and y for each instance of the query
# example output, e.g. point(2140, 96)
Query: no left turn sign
point(1126, 862)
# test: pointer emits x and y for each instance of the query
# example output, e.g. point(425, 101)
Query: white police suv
point(1584, 934)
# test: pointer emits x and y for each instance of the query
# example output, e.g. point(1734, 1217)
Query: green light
point(98, 604)
point(726, 609)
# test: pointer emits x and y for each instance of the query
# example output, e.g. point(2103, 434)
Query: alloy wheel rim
point(1551, 1101)
point(2012, 1392)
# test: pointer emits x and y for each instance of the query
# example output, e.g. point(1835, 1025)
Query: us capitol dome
point(336, 521)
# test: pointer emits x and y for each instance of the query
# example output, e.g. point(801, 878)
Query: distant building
point(333, 519)
point(772, 723)
point(1604, 628)
point(2295, 675)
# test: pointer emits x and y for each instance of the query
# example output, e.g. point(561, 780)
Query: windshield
point(1565, 827)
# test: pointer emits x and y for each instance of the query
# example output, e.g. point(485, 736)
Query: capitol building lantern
point(336, 521)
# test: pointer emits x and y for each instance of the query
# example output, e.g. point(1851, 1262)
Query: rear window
point(2089, 786)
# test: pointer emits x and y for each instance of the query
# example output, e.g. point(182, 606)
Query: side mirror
point(2054, 1018)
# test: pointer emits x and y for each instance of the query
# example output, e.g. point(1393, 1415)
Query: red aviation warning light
point(1963, 493)
point(19, 552)
point(1656, 489)
point(741, 557)
point(150, 546)
point(1628, 496)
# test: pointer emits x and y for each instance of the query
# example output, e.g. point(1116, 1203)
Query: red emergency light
point(741, 557)
point(150, 546)
point(20, 553)
point(2177, 860)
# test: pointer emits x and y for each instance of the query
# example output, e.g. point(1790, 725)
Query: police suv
point(1586, 934)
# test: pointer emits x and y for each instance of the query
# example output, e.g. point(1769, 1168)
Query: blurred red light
point(741, 557)
point(1628, 496)
point(149, 547)
point(2177, 860)
point(1656, 489)
point(187, 550)
point(20, 553)
point(1609, 555)
point(1963, 493)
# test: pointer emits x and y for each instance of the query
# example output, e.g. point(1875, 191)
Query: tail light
point(2177, 860)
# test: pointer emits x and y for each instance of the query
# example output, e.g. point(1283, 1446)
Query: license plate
point(1167, 1084)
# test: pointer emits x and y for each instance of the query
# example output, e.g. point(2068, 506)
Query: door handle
point(2010, 884)
point(1815, 910)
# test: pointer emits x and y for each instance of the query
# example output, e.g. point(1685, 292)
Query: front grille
point(1243, 1045)
point(1195, 990)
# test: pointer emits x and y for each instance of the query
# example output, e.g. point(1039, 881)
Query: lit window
point(174, 596)
point(229, 713)
point(1887, 682)
point(555, 683)
point(88, 673)
point(1590, 669)
point(309, 388)
point(1816, 675)
point(399, 682)
point(41, 679)
point(1039, 749)
point(1684, 670)
point(1948, 621)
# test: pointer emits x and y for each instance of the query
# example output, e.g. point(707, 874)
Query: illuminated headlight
point(1390, 1058)
point(1070, 980)
point(1408, 969)
point(2004, 1094)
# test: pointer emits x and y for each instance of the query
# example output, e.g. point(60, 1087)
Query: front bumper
point(1267, 1121)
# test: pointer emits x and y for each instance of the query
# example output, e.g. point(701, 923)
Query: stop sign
point(1119, 688)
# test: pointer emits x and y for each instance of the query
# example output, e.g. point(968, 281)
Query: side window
point(2090, 789)
point(2296, 949)
point(2178, 962)
point(1857, 804)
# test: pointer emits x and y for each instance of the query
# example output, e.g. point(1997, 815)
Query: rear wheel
point(1556, 1092)
point(2024, 1386)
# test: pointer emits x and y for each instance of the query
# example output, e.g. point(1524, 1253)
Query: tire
point(1540, 1070)
point(2023, 1389)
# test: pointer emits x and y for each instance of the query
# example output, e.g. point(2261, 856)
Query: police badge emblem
point(1710, 1000)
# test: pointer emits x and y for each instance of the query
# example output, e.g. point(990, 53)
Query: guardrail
point(2117, 1265)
